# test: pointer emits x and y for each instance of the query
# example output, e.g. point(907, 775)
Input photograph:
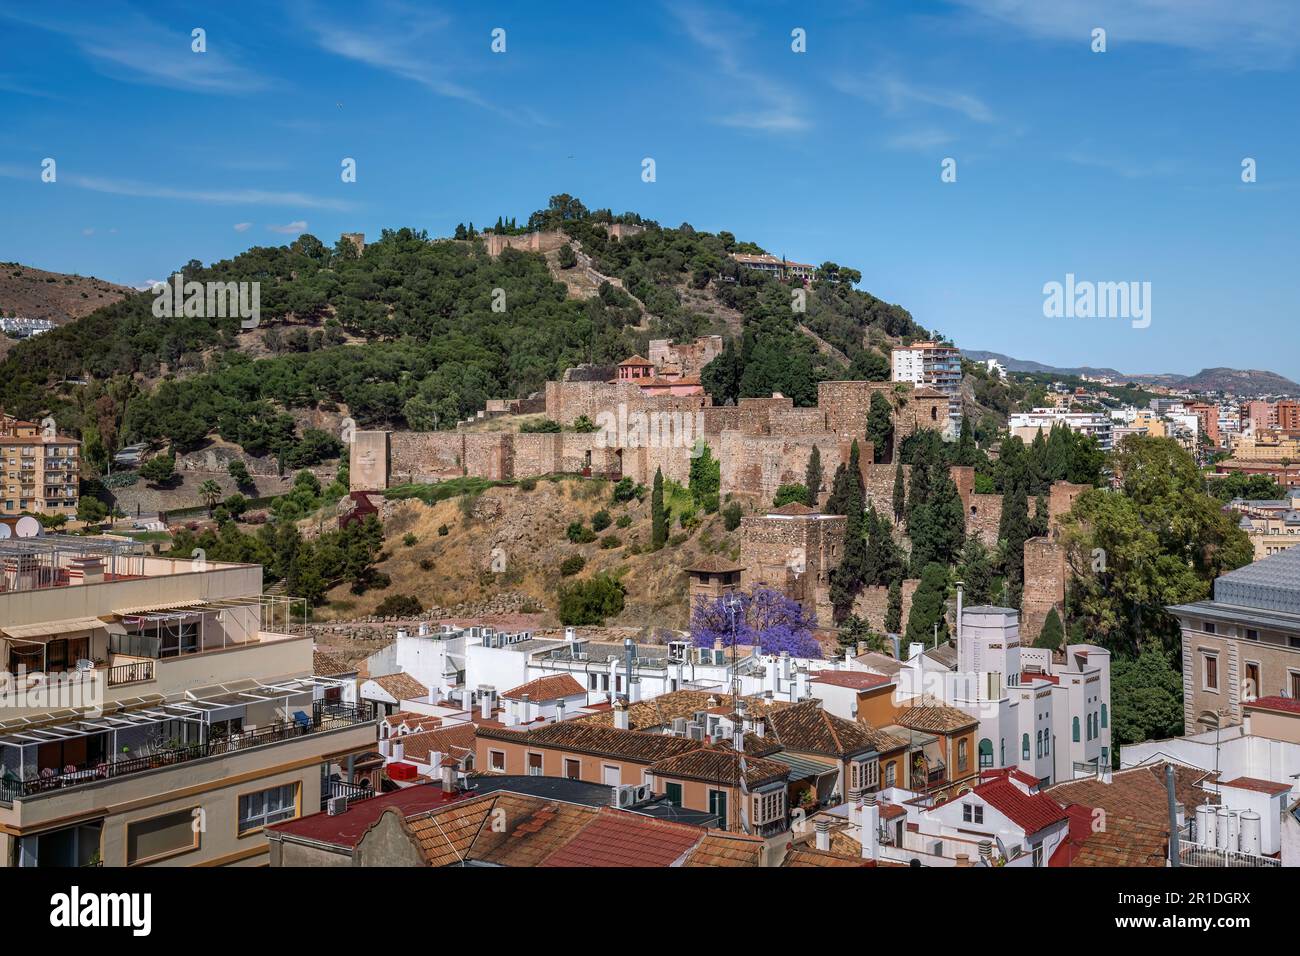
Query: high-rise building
point(40, 470)
point(932, 364)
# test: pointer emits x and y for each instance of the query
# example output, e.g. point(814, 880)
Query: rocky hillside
point(522, 534)
point(37, 294)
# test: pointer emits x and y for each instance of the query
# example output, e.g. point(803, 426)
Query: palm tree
point(211, 492)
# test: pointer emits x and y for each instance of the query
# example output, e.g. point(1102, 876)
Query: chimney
point(861, 648)
point(571, 635)
point(525, 709)
point(401, 633)
point(448, 778)
point(634, 690)
point(385, 747)
point(485, 705)
point(986, 852)
point(801, 683)
point(869, 821)
point(399, 748)
point(620, 715)
point(823, 826)
point(435, 762)
point(559, 710)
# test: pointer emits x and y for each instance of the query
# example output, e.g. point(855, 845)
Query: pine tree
point(965, 453)
point(812, 478)
point(658, 516)
point(976, 572)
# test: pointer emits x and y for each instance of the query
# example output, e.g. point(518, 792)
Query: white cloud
point(290, 228)
point(1247, 33)
point(919, 139)
point(88, 232)
point(127, 187)
point(243, 226)
point(898, 96)
point(126, 45)
point(776, 108)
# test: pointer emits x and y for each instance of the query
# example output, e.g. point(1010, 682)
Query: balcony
point(325, 717)
point(132, 673)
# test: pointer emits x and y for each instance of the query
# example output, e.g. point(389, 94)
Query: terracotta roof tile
point(1288, 705)
point(402, 686)
point(662, 710)
point(327, 665)
point(617, 838)
point(808, 728)
point(1124, 842)
point(856, 680)
point(1030, 812)
point(576, 737)
point(1257, 785)
point(553, 687)
point(808, 858)
point(712, 564)
point(935, 718)
point(1138, 793)
point(453, 741)
point(719, 765)
point(720, 848)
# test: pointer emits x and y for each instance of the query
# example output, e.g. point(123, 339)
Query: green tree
point(658, 516)
point(894, 608)
point(812, 477)
point(928, 606)
point(900, 495)
point(590, 602)
point(788, 493)
point(239, 472)
point(210, 492)
point(880, 428)
point(1147, 697)
point(1052, 636)
point(705, 476)
point(976, 572)
point(159, 469)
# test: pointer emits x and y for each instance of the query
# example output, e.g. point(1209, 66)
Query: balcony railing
point(130, 673)
point(325, 717)
point(339, 788)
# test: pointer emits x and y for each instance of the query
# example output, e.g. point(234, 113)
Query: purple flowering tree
point(764, 617)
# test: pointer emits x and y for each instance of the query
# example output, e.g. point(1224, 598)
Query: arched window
point(986, 753)
point(1024, 747)
point(1076, 730)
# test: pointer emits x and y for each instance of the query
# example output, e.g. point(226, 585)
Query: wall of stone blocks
point(983, 516)
point(794, 554)
point(872, 605)
point(757, 465)
point(1061, 500)
point(1044, 586)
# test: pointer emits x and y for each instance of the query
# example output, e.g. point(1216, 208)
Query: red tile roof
point(453, 742)
point(345, 829)
point(1030, 812)
point(1028, 678)
point(617, 838)
point(857, 680)
point(1289, 705)
point(1013, 773)
point(1257, 785)
point(554, 687)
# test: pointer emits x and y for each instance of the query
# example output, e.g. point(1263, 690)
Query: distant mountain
point(1236, 381)
point(1024, 365)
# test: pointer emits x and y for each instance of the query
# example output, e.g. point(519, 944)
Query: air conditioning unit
point(623, 796)
point(695, 731)
point(336, 805)
point(679, 726)
point(641, 793)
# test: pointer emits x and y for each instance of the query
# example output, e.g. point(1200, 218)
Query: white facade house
point(1049, 718)
point(1025, 425)
point(931, 364)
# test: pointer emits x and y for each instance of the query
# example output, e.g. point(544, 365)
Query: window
point(986, 753)
point(1209, 672)
point(890, 774)
point(572, 768)
point(256, 810)
point(1024, 747)
point(497, 760)
point(1207, 627)
point(718, 806)
point(162, 836)
point(769, 807)
point(1038, 740)
point(972, 813)
point(1047, 743)
point(673, 791)
point(611, 774)
point(963, 755)
point(1075, 726)
point(1252, 634)
point(534, 764)
point(1295, 684)
point(1104, 718)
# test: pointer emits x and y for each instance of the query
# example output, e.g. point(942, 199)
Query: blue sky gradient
point(1115, 166)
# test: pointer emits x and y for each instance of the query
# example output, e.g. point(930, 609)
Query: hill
point(36, 294)
point(1246, 382)
point(417, 333)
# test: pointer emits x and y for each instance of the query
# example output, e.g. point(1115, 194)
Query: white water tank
point(1224, 827)
point(1250, 832)
point(1205, 831)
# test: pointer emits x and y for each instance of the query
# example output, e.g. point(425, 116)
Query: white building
point(932, 364)
point(1049, 718)
point(1025, 425)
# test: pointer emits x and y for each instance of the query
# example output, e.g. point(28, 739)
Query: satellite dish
point(27, 527)
point(4, 531)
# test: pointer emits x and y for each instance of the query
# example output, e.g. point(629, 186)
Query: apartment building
point(40, 469)
point(1025, 425)
point(780, 268)
point(155, 711)
point(1243, 643)
point(1207, 417)
point(933, 365)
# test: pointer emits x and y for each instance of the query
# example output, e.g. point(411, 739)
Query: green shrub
point(623, 521)
point(528, 484)
point(572, 565)
point(443, 531)
point(579, 534)
point(611, 541)
point(590, 601)
point(399, 605)
point(600, 520)
point(731, 516)
point(410, 539)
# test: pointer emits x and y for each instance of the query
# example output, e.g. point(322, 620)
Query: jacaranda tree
point(764, 617)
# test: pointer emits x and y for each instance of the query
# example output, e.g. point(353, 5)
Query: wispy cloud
point(10, 84)
point(1246, 33)
point(408, 42)
point(243, 226)
point(233, 197)
point(900, 97)
point(126, 45)
point(776, 108)
point(290, 228)
point(920, 139)
point(1106, 160)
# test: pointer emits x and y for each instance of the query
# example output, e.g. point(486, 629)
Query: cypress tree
point(928, 606)
point(1053, 635)
point(894, 610)
point(658, 516)
point(900, 496)
point(812, 477)
point(880, 427)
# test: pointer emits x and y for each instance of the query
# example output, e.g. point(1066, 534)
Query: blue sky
point(1115, 166)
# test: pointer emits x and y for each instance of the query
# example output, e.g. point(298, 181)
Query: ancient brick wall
point(424, 457)
point(1061, 499)
point(983, 515)
point(1044, 586)
point(872, 605)
point(794, 554)
point(757, 465)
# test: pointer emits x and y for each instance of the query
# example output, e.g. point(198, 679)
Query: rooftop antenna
point(733, 606)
